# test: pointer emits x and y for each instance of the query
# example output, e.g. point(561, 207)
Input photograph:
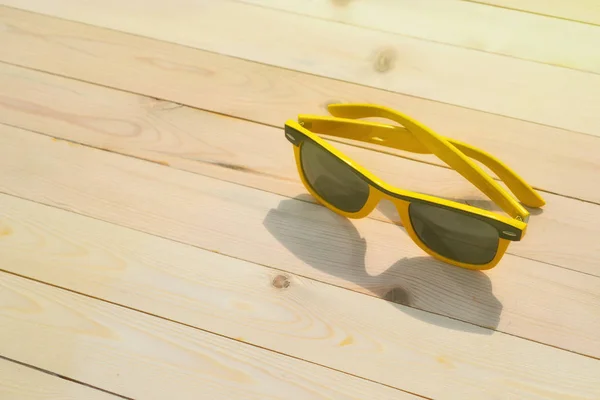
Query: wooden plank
point(553, 159)
point(18, 382)
point(521, 296)
point(563, 233)
point(587, 11)
point(141, 356)
point(521, 89)
point(465, 24)
point(348, 331)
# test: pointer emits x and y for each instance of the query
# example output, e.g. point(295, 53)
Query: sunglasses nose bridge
point(375, 197)
point(401, 208)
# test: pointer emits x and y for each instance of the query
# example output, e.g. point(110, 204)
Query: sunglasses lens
point(454, 235)
point(332, 179)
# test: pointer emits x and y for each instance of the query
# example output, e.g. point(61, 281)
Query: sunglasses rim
point(403, 207)
point(507, 231)
point(497, 248)
point(306, 181)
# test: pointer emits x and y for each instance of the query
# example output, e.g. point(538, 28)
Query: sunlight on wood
point(156, 240)
point(587, 11)
point(465, 24)
point(19, 382)
point(540, 93)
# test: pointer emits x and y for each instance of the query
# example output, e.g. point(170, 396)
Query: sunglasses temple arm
point(517, 185)
point(398, 137)
point(454, 157)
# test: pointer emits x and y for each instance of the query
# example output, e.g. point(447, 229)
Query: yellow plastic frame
point(415, 137)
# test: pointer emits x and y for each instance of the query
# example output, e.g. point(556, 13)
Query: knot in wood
point(385, 60)
point(281, 282)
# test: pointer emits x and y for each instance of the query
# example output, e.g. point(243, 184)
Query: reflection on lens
point(332, 179)
point(453, 234)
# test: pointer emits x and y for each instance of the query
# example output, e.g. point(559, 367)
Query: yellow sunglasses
point(453, 232)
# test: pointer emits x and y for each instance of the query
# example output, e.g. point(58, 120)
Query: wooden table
point(156, 241)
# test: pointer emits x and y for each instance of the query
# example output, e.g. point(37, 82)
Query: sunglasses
point(456, 233)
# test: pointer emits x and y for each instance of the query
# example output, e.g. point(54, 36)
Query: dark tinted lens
point(454, 235)
point(333, 179)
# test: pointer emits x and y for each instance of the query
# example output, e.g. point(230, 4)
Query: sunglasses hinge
point(291, 136)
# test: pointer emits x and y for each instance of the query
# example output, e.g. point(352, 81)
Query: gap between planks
point(540, 148)
point(28, 382)
point(549, 95)
point(196, 327)
point(579, 11)
point(391, 297)
point(470, 298)
point(386, 212)
point(146, 262)
point(464, 25)
point(103, 118)
point(155, 355)
point(46, 78)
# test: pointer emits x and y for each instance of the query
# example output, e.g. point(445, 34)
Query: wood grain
point(229, 322)
point(553, 159)
point(140, 356)
point(587, 11)
point(18, 382)
point(465, 24)
point(502, 85)
point(563, 233)
point(522, 297)
point(391, 344)
point(271, 95)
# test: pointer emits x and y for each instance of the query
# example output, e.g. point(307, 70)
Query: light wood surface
point(188, 139)
point(530, 91)
point(464, 24)
point(142, 356)
point(549, 158)
point(587, 11)
point(156, 241)
point(238, 299)
point(367, 256)
point(19, 382)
